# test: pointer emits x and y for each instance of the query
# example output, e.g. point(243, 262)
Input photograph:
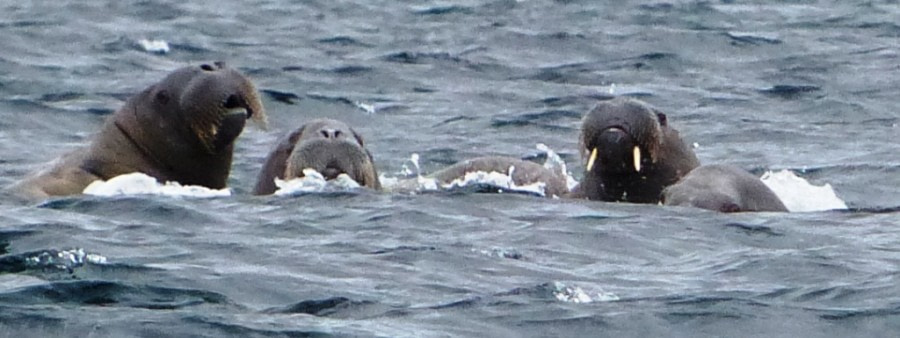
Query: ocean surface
point(812, 87)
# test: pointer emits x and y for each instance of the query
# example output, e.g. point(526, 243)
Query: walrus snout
point(332, 170)
point(331, 148)
point(235, 104)
point(330, 157)
point(228, 130)
point(327, 146)
point(614, 150)
point(643, 125)
point(236, 92)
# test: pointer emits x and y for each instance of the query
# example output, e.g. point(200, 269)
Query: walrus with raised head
point(724, 188)
point(523, 173)
point(631, 153)
point(328, 146)
point(180, 129)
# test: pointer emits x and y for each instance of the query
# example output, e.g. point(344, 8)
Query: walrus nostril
point(613, 136)
point(233, 101)
point(329, 133)
point(207, 67)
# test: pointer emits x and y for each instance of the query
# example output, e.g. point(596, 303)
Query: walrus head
point(332, 148)
point(185, 125)
point(621, 136)
point(328, 146)
point(206, 106)
point(630, 153)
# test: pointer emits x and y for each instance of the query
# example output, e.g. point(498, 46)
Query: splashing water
point(500, 180)
point(63, 260)
point(313, 181)
point(569, 294)
point(141, 184)
point(368, 108)
point(798, 195)
point(154, 46)
point(555, 163)
point(504, 181)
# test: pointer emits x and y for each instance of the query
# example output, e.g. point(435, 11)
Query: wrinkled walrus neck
point(170, 148)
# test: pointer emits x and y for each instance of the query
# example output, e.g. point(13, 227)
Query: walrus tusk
point(238, 110)
point(592, 159)
point(637, 159)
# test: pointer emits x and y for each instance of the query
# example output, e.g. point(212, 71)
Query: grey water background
point(810, 86)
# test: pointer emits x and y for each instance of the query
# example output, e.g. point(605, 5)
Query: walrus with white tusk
point(181, 129)
point(631, 153)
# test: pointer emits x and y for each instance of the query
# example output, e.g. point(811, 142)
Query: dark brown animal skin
point(328, 146)
point(613, 129)
point(525, 173)
point(723, 188)
point(180, 129)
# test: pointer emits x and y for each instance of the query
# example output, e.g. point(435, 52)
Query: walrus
point(631, 153)
point(329, 146)
point(523, 173)
point(724, 188)
point(181, 129)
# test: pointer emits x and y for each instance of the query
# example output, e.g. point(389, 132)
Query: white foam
point(503, 181)
point(500, 253)
point(798, 195)
point(555, 163)
point(368, 108)
point(141, 184)
point(154, 46)
point(575, 294)
point(500, 180)
point(65, 259)
point(312, 181)
point(400, 185)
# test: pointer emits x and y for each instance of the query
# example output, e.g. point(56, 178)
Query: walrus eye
point(663, 120)
point(162, 97)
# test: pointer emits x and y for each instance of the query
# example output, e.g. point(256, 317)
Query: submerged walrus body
point(631, 153)
point(180, 129)
point(724, 188)
point(327, 146)
point(522, 173)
